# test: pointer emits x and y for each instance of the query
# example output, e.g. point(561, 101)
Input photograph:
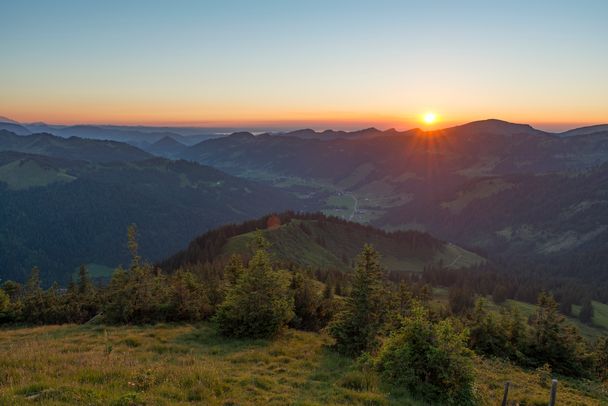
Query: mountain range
point(58, 212)
point(514, 192)
point(516, 195)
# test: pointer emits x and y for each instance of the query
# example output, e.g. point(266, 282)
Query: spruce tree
point(554, 342)
point(34, 303)
point(85, 286)
point(356, 328)
point(259, 304)
point(431, 360)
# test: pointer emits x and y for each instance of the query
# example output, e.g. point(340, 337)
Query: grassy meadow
point(191, 364)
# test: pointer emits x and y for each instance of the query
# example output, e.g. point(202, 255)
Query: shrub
point(430, 360)
point(259, 304)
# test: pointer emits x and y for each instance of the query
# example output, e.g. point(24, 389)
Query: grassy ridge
point(311, 243)
point(184, 364)
point(24, 174)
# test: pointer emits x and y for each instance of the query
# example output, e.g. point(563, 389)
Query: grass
point(480, 190)
point(600, 314)
point(327, 245)
point(24, 174)
point(186, 364)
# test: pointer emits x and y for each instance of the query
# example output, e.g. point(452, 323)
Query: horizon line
point(315, 125)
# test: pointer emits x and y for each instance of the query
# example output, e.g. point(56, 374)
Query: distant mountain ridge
point(70, 148)
point(8, 120)
point(14, 128)
point(57, 213)
point(461, 183)
point(585, 130)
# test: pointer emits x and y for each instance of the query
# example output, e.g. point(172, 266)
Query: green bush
point(430, 360)
point(4, 305)
point(259, 304)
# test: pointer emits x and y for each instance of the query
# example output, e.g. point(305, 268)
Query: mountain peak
point(496, 126)
point(168, 141)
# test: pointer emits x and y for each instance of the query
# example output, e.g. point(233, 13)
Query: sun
point(430, 118)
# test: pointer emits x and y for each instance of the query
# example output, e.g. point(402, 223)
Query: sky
point(320, 64)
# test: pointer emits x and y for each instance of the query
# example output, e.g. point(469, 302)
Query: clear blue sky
point(324, 63)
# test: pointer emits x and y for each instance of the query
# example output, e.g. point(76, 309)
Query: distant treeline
point(206, 248)
point(487, 280)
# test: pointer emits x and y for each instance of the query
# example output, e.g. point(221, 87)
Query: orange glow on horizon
point(242, 117)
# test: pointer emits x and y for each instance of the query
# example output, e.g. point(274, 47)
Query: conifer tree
point(259, 304)
point(189, 299)
point(553, 342)
point(34, 301)
point(85, 286)
point(429, 359)
point(357, 326)
point(233, 269)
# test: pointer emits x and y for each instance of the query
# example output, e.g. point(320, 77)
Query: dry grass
point(183, 364)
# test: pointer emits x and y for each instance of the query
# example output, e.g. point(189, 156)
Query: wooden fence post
point(553, 392)
point(506, 395)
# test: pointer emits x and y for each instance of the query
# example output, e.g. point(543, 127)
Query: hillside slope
point(70, 148)
point(515, 192)
point(318, 241)
point(57, 214)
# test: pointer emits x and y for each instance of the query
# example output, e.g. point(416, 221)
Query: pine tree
point(553, 342)
point(234, 269)
point(259, 304)
point(356, 328)
point(312, 308)
point(34, 303)
point(85, 286)
point(54, 312)
point(189, 301)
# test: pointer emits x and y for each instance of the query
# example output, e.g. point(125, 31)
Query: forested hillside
point(71, 148)
point(316, 241)
point(523, 197)
point(57, 214)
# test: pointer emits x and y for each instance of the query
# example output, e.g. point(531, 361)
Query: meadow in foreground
point(167, 364)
